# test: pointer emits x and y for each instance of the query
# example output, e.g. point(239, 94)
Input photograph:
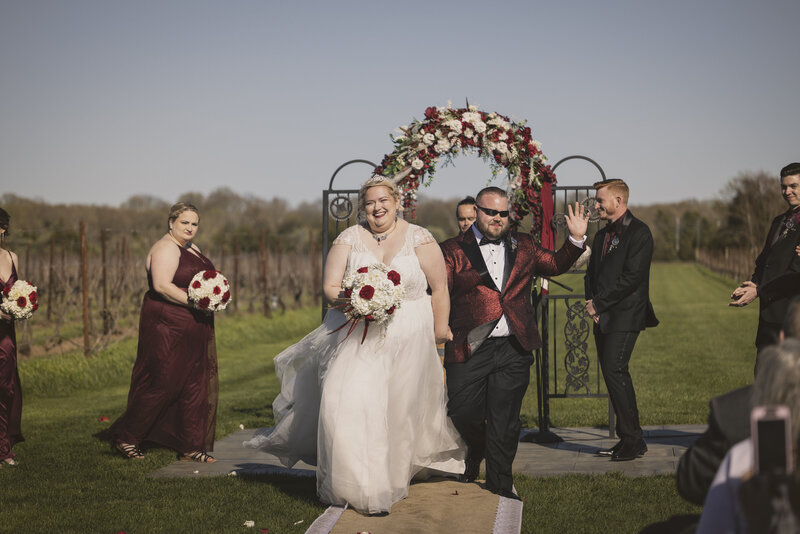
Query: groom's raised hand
point(577, 221)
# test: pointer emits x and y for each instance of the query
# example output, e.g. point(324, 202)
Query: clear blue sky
point(101, 100)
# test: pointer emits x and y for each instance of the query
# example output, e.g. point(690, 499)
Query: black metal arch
point(590, 160)
point(575, 340)
point(345, 164)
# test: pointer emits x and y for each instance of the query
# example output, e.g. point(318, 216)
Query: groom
point(489, 274)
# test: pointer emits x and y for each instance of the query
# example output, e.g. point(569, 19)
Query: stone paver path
point(575, 454)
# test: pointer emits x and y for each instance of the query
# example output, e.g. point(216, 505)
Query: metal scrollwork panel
point(340, 208)
point(560, 219)
point(576, 336)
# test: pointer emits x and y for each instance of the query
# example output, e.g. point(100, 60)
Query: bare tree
point(754, 199)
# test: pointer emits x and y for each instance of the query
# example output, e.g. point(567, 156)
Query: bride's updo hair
point(376, 181)
point(178, 208)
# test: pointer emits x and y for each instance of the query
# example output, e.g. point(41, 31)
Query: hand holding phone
point(771, 435)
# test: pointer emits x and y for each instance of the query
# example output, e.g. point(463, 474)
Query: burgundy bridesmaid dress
point(173, 396)
point(10, 390)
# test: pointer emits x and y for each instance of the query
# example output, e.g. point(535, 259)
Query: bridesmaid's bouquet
point(373, 294)
point(209, 291)
point(20, 300)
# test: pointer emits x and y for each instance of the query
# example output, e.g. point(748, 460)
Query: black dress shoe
point(610, 451)
point(471, 472)
point(630, 451)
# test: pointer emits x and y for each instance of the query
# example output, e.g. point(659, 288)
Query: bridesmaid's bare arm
point(164, 258)
point(4, 316)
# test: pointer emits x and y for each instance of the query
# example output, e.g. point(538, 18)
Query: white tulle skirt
point(370, 416)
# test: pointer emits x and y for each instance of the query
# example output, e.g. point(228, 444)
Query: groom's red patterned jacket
point(476, 301)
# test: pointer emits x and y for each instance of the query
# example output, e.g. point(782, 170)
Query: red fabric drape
point(546, 196)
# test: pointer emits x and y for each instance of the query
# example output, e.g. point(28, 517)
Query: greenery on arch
point(505, 144)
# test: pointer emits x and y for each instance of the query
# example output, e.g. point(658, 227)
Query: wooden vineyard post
point(104, 276)
point(235, 282)
point(85, 290)
point(262, 252)
point(50, 272)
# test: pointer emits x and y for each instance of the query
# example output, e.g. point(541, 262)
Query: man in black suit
point(617, 286)
point(777, 258)
point(466, 213)
point(728, 424)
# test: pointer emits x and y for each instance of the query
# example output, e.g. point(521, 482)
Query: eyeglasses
point(491, 213)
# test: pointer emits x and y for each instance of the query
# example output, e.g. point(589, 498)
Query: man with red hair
point(617, 287)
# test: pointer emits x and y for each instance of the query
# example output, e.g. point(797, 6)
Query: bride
point(371, 415)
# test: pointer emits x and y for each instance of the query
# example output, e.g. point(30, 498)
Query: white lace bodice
point(405, 261)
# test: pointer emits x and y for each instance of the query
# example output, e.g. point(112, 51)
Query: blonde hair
point(178, 208)
point(778, 378)
point(376, 181)
point(615, 186)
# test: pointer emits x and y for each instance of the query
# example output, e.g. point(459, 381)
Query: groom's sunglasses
point(491, 213)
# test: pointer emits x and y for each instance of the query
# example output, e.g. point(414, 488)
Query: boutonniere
point(613, 244)
point(790, 225)
point(513, 242)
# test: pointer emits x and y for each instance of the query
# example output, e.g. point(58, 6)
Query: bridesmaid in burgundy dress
point(10, 391)
point(173, 397)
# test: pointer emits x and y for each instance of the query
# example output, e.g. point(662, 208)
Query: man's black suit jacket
point(776, 259)
point(619, 283)
point(728, 424)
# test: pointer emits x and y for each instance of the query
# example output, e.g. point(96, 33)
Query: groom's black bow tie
point(486, 241)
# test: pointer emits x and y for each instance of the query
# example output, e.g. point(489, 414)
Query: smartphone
point(771, 434)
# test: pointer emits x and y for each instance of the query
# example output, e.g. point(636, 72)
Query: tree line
point(737, 220)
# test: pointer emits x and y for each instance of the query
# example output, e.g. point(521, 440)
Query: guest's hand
point(592, 311)
point(744, 294)
point(797, 250)
point(577, 221)
point(6, 317)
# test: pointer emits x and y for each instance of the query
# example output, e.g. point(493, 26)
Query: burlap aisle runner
point(433, 506)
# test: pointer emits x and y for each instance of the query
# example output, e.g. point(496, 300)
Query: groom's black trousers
point(484, 399)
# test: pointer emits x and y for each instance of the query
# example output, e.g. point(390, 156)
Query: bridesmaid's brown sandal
point(129, 450)
point(197, 456)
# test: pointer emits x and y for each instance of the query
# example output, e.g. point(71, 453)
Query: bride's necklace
point(384, 235)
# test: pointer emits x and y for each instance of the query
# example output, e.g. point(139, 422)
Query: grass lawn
point(68, 481)
point(701, 348)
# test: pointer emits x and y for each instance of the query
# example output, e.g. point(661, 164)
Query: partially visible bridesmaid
point(173, 397)
point(10, 391)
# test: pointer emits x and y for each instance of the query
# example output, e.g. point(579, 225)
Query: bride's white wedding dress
point(369, 415)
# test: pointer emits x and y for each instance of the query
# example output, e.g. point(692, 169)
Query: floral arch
point(505, 144)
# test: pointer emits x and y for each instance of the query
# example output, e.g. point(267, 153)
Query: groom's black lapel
point(511, 257)
point(473, 252)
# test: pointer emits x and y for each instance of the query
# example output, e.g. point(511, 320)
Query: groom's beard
point(493, 231)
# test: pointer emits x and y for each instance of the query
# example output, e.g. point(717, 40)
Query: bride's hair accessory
point(375, 181)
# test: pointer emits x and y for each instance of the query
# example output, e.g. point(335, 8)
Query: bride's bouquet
point(373, 294)
point(20, 300)
point(209, 291)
